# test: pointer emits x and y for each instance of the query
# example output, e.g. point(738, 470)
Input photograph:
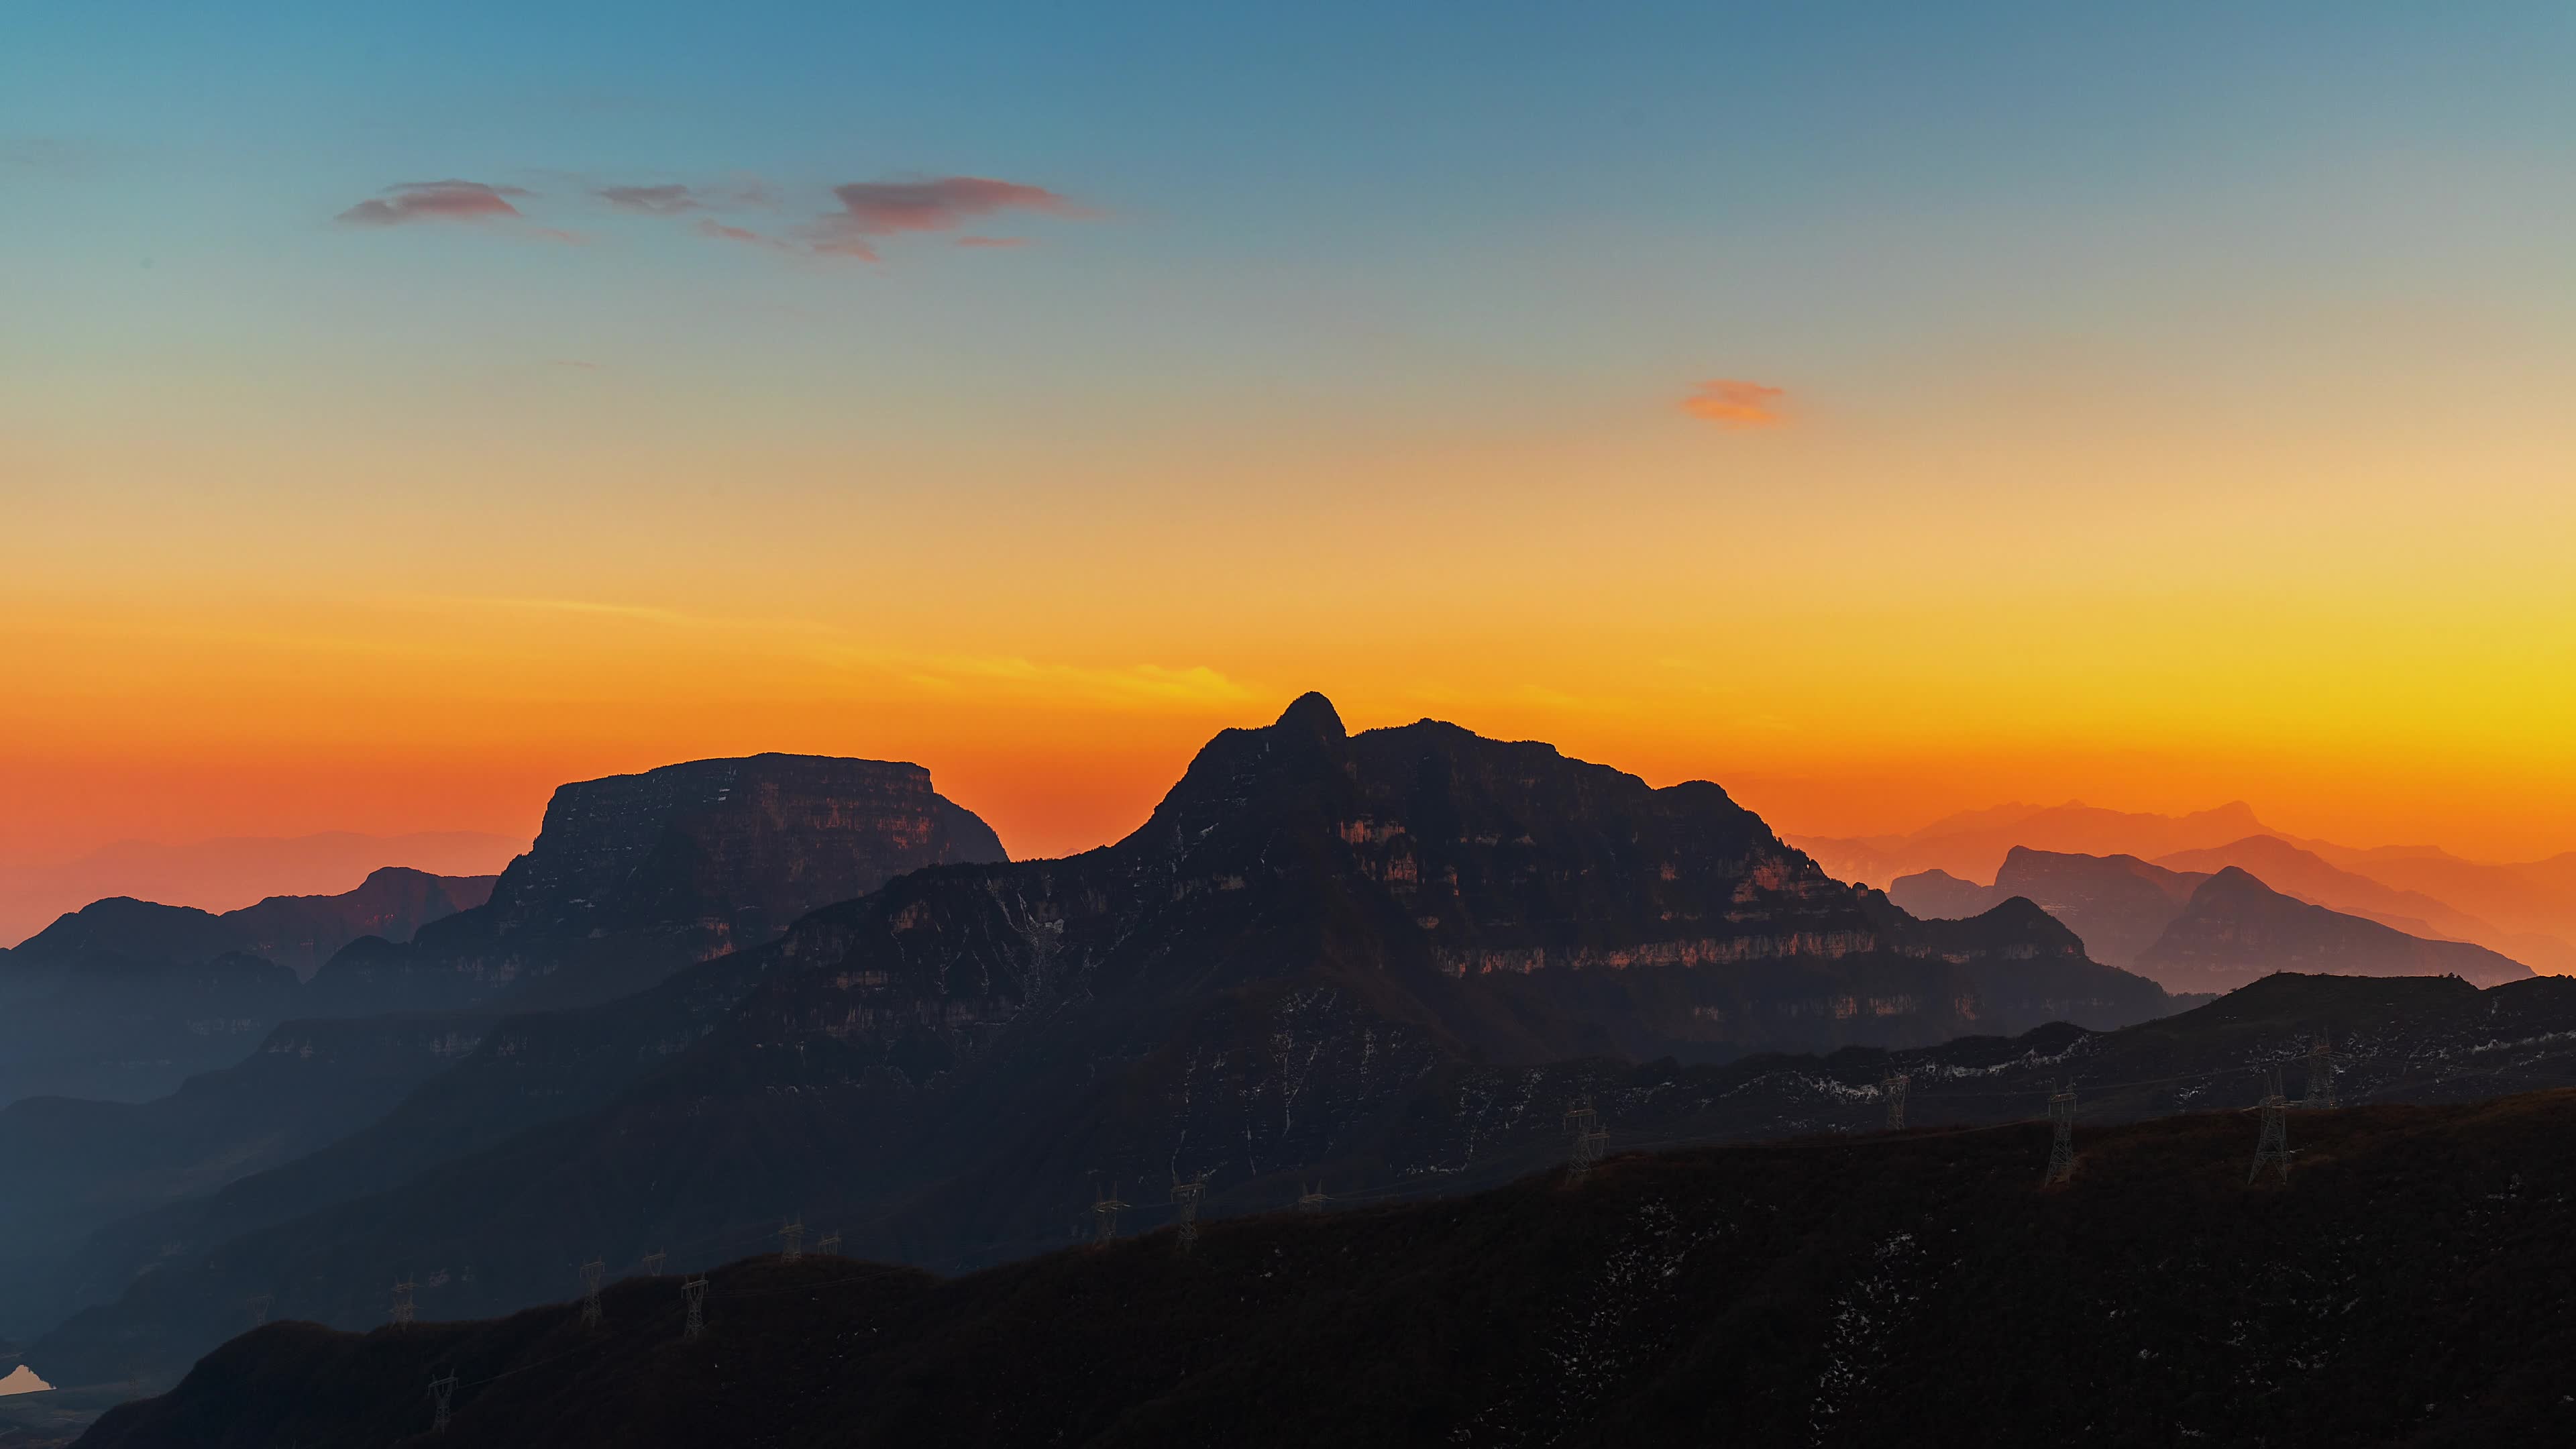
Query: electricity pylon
point(1893, 1087)
point(403, 1309)
point(257, 1303)
point(442, 1392)
point(1104, 1215)
point(794, 1233)
point(653, 1262)
point(828, 1243)
point(2274, 1145)
point(1185, 1206)
point(1590, 1141)
point(1310, 1199)
point(2061, 1147)
point(591, 1274)
point(2321, 1074)
point(696, 1289)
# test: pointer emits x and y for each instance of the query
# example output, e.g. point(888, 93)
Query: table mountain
point(634, 876)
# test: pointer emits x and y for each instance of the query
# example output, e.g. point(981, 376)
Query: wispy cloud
point(449, 200)
point(668, 200)
point(992, 241)
point(710, 227)
point(1733, 404)
point(874, 209)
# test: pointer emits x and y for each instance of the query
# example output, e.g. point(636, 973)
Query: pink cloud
point(1733, 404)
point(434, 201)
point(888, 208)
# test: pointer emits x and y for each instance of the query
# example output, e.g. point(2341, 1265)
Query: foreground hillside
point(2408, 1284)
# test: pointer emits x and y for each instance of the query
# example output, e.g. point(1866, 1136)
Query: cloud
point(709, 226)
point(992, 241)
point(889, 208)
point(658, 200)
point(434, 201)
point(1732, 404)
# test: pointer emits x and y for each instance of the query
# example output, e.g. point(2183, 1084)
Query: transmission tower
point(257, 1303)
point(828, 1243)
point(696, 1289)
point(1310, 1199)
point(1104, 1215)
point(1583, 1124)
point(2321, 1073)
point(2274, 1146)
point(403, 1309)
point(591, 1273)
point(794, 1233)
point(1185, 1207)
point(1892, 1087)
point(442, 1392)
point(2061, 1148)
point(653, 1262)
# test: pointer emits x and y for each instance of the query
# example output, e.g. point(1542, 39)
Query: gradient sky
point(1879, 409)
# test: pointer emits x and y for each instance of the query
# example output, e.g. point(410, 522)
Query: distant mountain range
point(2525, 911)
point(2403, 1283)
point(124, 998)
point(226, 874)
point(1313, 945)
point(2195, 932)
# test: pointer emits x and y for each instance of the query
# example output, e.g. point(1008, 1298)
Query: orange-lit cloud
point(435, 201)
point(1733, 404)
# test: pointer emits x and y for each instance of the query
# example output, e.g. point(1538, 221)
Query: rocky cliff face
point(1265, 978)
point(2235, 929)
point(634, 876)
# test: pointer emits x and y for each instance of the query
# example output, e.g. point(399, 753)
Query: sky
point(1882, 410)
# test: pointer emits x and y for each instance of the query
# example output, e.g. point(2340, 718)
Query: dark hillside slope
point(2409, 1284)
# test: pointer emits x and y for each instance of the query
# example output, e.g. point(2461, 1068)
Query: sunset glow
point(2148, 450)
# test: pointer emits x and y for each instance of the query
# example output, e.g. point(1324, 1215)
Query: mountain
point(2404, 1282)
point(2311, 876)
point(634, 876)
point(222, 875)
point(76, 1164)
point(123, 999)
point(2235, 928)
point(1974, 845)
point(2118, 905)
point(1289, 966)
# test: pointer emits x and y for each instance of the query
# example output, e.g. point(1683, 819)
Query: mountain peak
point(1311, 713)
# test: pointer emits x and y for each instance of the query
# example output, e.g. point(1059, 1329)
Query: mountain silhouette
point(2118, 905)
point(1312, 943)
point(2235, 928)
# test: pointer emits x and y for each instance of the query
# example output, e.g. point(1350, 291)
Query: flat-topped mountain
point(634, 876)
point(1312, 931)
point(2235, 928)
